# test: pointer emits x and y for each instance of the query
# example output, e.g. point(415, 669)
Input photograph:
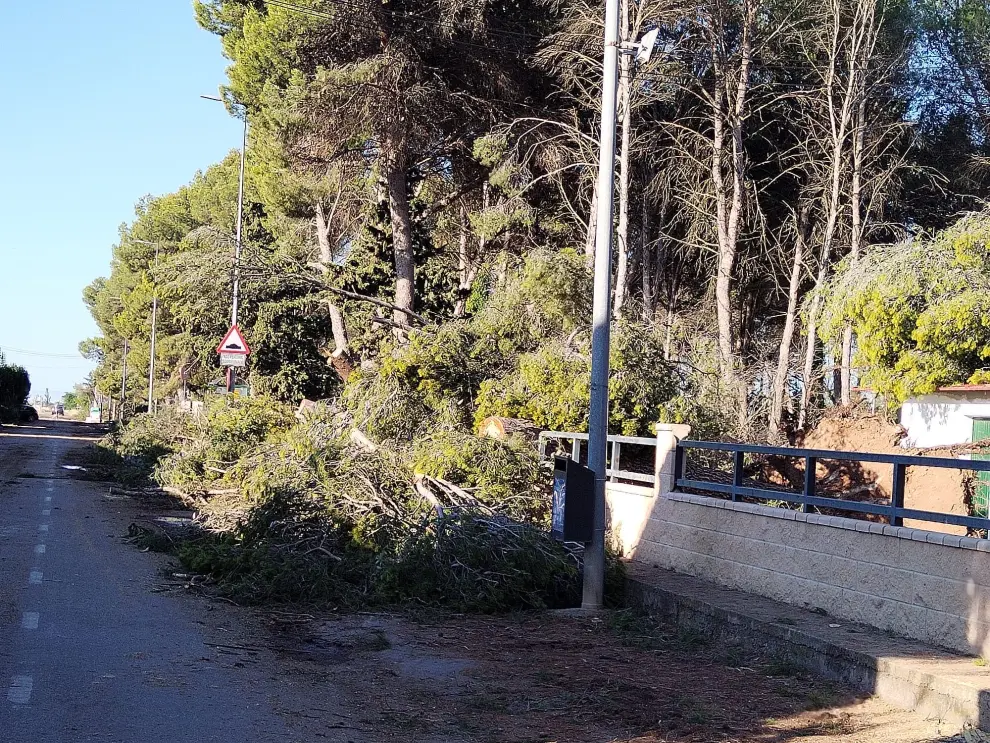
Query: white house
point(959, 414)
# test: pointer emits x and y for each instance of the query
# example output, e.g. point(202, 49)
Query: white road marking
point(20, 690)
point(47, 512)
point(37, 577)
point(43, 527)
point(39, 549)
point(48, 499)
point(30, 620)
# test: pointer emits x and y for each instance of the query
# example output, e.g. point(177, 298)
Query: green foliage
point(15, 386)
point(504, 474)
point(318, 519)
point(150, 437)
point(433, 382)
point(920, 310)
point(324, 521)
point(547, 296)
point(235, 425)
point(77, 399)
point(192, 451)
point(287, 343)
point(131, 453)
point(257, 561)
point(551, 386)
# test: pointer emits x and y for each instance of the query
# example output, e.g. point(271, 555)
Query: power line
point(11, 349)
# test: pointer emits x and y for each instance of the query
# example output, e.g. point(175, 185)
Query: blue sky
point(100, 105)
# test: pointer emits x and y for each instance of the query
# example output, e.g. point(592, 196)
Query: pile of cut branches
point(317, 512)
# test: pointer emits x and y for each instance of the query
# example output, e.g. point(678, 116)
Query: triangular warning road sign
point(234, 342)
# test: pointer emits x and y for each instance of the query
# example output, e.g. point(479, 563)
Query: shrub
point(151, 436)
point(15, 385)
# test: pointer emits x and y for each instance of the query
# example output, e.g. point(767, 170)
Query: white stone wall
point(943, 419)
point(924, 585)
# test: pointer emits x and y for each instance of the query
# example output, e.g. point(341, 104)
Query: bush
point(236, 424)
point(15, 385)
point(151, 436)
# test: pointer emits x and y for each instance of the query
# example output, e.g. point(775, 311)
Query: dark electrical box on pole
point(573, 517)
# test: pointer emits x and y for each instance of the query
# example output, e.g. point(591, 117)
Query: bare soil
point(926, 488)
point(616, 677)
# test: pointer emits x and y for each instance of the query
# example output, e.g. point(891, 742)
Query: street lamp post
point(231, 371)
point(594, 556)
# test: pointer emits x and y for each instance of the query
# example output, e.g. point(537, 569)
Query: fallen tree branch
point(366, 298)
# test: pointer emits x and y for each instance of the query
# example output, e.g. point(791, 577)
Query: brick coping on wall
point(836, 522)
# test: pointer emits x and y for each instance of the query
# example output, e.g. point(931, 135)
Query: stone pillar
point(668, 434)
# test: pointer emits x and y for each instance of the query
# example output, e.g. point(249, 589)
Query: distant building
point(958, 414)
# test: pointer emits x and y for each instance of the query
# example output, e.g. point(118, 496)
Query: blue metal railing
point(807, 497)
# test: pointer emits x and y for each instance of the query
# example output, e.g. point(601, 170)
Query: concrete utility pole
point(594, 555)
point(123, 383)
point(154, 337)
point(240, 224)
point(154, 329)
point(231, 371)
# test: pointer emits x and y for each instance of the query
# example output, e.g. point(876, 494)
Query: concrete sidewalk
point(939, 684)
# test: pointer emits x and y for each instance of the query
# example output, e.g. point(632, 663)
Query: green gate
point(981, 498)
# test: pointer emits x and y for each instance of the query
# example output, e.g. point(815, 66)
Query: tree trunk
point(649, 291)
point(589, 239)
point(856, 241)
point(467, 268)
point(811, 348)
point(323, 234)
point(668, 336)
point(463, 274)
point(402, 244)
point(340, 358)
point(779, 387)
point(728, 116)
point(626, 124)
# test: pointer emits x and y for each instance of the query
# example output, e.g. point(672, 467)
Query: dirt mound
point(926, 488)
point(868, 433)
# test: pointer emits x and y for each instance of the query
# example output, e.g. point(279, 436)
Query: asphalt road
point(88, 650)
